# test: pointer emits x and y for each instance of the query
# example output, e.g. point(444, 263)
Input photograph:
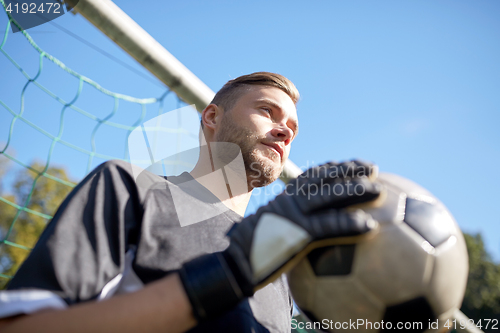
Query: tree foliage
point(19, 229)
point(482, 296)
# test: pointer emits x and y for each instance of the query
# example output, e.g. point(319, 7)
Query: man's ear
point(211, 116)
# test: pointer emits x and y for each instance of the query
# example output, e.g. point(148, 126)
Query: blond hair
point(227, 96)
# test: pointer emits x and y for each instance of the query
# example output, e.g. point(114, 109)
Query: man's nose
point(282, 133)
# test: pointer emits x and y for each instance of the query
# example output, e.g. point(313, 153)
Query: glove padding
point(306, 215)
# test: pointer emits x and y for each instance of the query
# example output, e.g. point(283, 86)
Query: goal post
point(133, 39)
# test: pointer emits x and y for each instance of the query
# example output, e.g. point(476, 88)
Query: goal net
point(56, 125)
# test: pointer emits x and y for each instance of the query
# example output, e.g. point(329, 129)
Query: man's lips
point(276, 147)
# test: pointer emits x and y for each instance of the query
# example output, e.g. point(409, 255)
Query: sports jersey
point(116, 232)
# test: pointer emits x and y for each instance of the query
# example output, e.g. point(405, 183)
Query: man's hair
point(227, 96)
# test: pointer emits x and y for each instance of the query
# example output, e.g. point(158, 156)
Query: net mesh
point(51, 117)
point(21, 213)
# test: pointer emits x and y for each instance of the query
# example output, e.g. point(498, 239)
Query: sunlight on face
point(263, 123)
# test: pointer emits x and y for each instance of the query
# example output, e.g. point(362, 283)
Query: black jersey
point(119, 230)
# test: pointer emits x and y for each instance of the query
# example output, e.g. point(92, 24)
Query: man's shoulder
point(126, 172)
point(122, 166)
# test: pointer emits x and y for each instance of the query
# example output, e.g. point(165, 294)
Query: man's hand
point(308, 214)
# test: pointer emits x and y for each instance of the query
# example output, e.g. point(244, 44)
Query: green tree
point(19, 230)
point(482, 296)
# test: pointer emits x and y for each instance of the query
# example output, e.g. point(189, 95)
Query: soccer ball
point(411, 275)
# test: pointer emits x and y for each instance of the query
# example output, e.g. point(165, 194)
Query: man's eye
point(268, 110)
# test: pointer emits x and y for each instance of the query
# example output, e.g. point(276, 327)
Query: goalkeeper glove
point(308, 214)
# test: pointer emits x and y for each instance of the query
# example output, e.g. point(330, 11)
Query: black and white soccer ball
point(414, 270)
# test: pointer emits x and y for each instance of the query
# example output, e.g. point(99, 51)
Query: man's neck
point(227, 184)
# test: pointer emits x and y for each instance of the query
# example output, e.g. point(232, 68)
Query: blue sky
point(412, 85)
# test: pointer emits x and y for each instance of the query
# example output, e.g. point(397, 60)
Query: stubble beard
point(260, 170)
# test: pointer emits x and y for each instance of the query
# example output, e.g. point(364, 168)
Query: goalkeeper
point(119, 256)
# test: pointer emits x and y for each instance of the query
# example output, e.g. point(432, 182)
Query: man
point(123, 236)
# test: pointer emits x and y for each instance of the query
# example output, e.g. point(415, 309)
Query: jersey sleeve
point(82, 252)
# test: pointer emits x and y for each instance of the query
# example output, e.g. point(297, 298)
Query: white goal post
point(133, 39)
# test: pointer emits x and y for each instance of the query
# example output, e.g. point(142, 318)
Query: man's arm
point(82, 249)
point(161, 306)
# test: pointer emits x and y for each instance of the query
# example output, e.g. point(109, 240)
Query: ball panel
point(332, 260)
point(397, 252)
point(302, 283)
point(431, 221)
point(312, 318)
point(392, 210)
point(442, 321)
point(414, 314)
point(449, 278)
point(401, 184)
point(341, 299)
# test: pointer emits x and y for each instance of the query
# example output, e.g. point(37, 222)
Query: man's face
point(263, 122)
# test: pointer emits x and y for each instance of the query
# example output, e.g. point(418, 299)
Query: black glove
point(308, 214)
